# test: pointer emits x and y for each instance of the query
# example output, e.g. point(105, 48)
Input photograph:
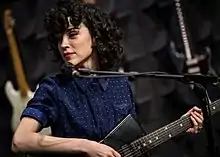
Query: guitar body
point(18, 104)
point(127, 131)
point(200, 63)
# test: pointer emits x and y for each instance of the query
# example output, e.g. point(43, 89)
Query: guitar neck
point(22, 83)
point(163, 134)
point(167, 132)
point(215, 107)
point(183, 31)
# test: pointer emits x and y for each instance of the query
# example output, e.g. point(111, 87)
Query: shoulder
point(54, 81)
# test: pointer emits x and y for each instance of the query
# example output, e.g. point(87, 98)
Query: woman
point(80, 111)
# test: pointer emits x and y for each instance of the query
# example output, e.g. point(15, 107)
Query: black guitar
point(129, 140)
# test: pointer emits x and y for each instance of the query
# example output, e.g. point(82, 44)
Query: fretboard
point(215, 107)
point(144, 144)
point(161, 135)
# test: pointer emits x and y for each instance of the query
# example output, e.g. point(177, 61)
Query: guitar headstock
point(9, 22)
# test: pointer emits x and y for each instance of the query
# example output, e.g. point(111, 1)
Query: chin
point(73, 62)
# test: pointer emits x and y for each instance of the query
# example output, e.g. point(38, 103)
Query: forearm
point(35, 142)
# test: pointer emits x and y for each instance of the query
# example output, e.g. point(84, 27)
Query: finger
point(199, 121)
point(110, 154)
point(199, 115)
point(195, 124)
point(191, 130)
point(116, 154)
point(187, 113)
point(197, 118)
point(197, 109)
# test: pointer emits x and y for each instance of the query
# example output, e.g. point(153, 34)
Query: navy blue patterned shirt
point(81, 107)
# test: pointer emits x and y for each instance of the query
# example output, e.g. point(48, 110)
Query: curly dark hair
point(101, 25)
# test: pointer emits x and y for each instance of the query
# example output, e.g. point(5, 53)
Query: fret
point(152, 140)
point(163, 134)
point(125, 149)
point(167, 132)
point(215, 107)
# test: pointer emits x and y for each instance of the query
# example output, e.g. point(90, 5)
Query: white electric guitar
point(18, 98)
point(194, 63)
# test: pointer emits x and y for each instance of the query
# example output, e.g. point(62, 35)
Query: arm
point(27, 140)
point(42, 111)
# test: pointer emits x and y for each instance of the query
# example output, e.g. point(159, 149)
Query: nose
point(65, 42)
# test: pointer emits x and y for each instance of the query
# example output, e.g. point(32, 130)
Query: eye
point(73, 33)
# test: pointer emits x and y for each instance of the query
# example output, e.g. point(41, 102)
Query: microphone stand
point(199, 82)
point(202, 94)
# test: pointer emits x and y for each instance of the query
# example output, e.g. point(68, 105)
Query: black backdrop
point(149, 27)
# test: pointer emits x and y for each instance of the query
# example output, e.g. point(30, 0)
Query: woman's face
point(75, 46)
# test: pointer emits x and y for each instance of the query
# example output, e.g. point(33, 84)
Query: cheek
point(88, 45)
point(85, 46)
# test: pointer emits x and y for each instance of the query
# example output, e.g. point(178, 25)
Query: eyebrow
point(72, 29)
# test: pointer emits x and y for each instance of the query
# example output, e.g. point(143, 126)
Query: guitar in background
point(18, 98)
point(192, 63)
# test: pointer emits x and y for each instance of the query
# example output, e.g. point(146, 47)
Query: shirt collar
point(83, 83)
point(104, 83)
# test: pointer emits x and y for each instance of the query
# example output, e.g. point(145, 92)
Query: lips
point(67, 55)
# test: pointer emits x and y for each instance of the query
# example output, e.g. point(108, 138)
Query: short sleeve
point(42, 107)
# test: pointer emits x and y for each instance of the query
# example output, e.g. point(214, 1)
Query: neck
point(91, 62)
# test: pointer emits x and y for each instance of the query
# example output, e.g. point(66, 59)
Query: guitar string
point(215, 107)
point(184, 35)
point(140, 151)
point(126, 149)
point(179, 12)
point(145, 149)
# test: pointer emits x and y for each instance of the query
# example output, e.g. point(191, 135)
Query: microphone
point(69, 69)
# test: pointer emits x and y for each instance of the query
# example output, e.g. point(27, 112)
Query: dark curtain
point(149, 27)
point(37, 62)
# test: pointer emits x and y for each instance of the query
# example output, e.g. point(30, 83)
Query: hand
point(89, 1)
point(95, 149)
point(197, 119)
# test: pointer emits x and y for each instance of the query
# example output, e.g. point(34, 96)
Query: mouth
point(68, 55)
